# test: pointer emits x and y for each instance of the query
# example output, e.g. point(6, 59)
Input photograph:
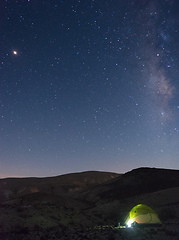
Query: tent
point(142, 214)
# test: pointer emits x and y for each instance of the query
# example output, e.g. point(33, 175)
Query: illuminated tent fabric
point(142, 214)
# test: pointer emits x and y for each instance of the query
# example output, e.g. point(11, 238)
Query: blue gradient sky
point(92, 85)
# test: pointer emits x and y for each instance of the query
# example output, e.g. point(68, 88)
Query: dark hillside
point(136, 182)
point(50, 208)
point(11, 188)
point(140, 181)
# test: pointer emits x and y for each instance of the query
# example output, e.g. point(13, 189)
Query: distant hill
point(11, 188)
point(92, 186)
point(134, 183)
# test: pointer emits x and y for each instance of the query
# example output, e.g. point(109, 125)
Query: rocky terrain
point(88, 205)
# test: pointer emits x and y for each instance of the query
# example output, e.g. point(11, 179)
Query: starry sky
point(88, 85)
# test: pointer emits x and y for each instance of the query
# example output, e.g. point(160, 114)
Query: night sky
point(88, 85)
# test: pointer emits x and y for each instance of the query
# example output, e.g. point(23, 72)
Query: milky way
point(157, 59)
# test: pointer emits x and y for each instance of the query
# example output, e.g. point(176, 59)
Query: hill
point(80, 203)
point(11, 188)
point(136, 182)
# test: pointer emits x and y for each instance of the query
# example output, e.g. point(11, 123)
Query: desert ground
point(89, 205)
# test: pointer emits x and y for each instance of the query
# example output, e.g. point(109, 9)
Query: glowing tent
point(142, 214)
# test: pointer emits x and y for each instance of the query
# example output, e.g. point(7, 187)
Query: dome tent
point(142, 214)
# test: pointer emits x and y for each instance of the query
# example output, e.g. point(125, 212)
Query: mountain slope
point(134, 183)
point(11, 188)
